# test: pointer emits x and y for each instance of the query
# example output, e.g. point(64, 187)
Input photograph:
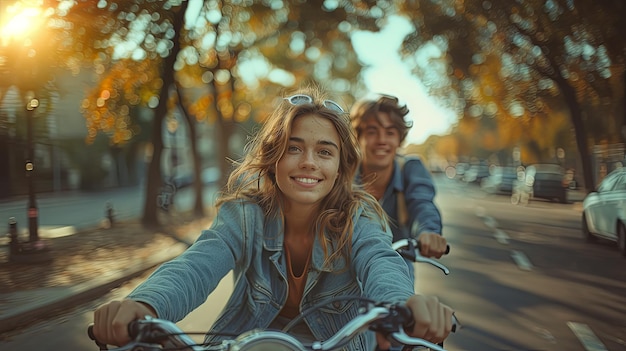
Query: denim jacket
point(243, 240)
point(415, 181)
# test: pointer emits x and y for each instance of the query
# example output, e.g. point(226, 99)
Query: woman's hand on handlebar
point(432, 245)
point(111, 320)
point(432, 320)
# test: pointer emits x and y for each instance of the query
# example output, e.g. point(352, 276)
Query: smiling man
point(402, 184)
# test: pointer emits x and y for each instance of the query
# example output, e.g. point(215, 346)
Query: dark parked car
point(548, 182)
point(604, 210)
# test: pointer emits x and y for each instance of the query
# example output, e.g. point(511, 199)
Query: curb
point(71, 296)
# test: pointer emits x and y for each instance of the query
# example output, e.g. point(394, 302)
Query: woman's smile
point(306, 180)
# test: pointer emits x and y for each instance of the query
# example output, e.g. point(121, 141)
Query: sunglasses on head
point(301, 99)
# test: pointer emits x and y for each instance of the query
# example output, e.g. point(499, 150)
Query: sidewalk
point(85, 265)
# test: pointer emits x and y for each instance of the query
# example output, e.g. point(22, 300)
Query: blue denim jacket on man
point(243, 240)
point(416, 183)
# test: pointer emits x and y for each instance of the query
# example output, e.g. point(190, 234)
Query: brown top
point(296, 288)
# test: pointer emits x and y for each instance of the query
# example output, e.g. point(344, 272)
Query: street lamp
point(32, 104)
point(24, 21)
point(33, 250)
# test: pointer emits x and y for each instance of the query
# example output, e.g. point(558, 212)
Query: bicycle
point(390, 319)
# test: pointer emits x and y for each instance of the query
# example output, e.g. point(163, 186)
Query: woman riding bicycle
point(295, 231)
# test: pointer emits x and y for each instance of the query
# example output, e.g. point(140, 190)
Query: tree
point(547, 49)
point(167, 73)
point(129, 80)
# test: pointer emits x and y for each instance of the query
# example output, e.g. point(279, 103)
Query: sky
point(387, 74)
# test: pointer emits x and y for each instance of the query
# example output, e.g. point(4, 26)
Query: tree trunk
point(222, 131)
point(198, 185)
point(576, 117)
point(623, 112)
point(198, 208)
point(154, 181)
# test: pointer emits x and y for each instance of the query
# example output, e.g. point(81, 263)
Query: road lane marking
point(501, 236)
point(490, 222)
point(480, 211)
point(545, 334)
point(589, 340)
point(521, 260)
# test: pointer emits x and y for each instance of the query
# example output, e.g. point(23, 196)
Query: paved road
point(523, 278)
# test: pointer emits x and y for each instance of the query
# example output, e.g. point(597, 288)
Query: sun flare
point(21, 21)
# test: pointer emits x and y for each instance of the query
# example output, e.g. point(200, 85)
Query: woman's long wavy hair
point(253, 178)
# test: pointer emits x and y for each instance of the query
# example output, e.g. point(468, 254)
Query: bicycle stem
point(351, 329)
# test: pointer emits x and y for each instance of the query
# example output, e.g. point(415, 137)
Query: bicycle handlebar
point(390, 319)
point(410, 249)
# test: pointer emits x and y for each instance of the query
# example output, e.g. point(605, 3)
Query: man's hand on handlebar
point(432, 245)
point(432, 321)
point(111, 320)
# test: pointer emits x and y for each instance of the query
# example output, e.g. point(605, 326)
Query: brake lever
point(402, 337)
point(401, 315)
point(412, 253)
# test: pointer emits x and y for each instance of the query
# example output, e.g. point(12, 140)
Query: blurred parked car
point(604, 210)
point(460, 169)
point(502, 178)
point(476, 173)
point(548, 181)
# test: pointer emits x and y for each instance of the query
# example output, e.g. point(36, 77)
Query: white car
point(604, 210)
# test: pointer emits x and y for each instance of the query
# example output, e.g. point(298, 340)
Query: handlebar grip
point(407, 316)
point(93, 337)
point(90, 332)
point(133, 329)
point(455, 323)
point(419, 247)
